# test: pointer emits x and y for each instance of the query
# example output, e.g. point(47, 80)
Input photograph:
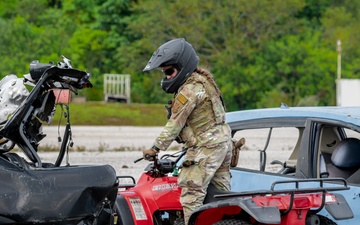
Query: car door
point(322, 136)
point(304, 166)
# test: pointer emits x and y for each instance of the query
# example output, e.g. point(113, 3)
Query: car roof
point(349, 115)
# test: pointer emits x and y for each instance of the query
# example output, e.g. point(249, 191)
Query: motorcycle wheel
point(326, 221)
point(232, 222)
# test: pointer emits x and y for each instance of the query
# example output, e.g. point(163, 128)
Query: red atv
point(154, 200)
point(155, 197)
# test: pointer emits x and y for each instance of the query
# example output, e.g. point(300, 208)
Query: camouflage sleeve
point(186, 100)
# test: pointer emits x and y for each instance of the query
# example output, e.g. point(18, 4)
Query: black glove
point(150, 154)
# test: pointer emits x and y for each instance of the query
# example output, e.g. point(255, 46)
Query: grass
point(112, 114)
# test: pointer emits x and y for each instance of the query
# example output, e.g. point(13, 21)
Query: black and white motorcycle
point(36, 192)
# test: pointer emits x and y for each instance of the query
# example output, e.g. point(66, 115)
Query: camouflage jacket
point(198, 116)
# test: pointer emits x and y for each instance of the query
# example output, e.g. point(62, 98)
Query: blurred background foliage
point(261, 52)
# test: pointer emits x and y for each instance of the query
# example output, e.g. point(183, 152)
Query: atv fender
point(123, 211)
point(266, 215)
point(340, 210)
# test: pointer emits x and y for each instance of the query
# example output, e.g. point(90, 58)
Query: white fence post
point(117, 88)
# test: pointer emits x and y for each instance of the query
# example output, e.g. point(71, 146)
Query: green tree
point(299, 67)
point(341, 23)
point(19, 36)
point(226, 34)
point(261, 52)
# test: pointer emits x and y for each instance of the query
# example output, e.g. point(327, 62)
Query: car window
point(335, 140)
point(352, 133)
point(281, 146)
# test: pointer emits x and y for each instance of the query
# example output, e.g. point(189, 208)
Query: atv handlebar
point(163, 165)
point(138, 160)
point(147, 156)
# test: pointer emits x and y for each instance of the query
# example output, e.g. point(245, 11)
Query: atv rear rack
point(340, 185)
point(296, 190)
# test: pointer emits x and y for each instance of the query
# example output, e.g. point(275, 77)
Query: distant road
point(108, 137)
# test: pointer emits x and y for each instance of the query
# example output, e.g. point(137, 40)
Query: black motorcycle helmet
point(178, 53)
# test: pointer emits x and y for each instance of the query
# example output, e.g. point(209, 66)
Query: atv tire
point(179, 221)
point(233, 222)
point(326, 221)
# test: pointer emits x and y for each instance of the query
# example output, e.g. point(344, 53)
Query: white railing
point(117, 87)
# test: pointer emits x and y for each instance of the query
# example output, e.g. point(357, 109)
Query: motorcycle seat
point(62, 193)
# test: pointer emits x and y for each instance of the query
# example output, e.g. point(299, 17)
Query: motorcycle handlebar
point(62, 75)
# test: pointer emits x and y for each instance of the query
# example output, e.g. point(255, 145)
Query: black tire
point(326, 221)
point(232, 222)
point(179, 221)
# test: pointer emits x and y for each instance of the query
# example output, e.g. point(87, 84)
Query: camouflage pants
point(211, 165)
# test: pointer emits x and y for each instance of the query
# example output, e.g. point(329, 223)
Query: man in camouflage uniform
point(197, 120)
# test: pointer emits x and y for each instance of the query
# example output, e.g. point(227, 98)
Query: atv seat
point(212, 190)
point(343, 162)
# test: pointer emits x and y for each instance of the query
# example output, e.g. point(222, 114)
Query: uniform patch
point(175, 109)
point(181, 98)
point(200, 94)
